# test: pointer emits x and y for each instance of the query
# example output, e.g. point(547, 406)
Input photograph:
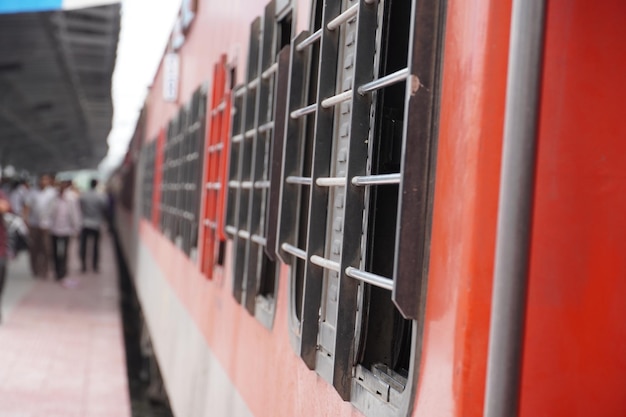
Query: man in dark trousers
point(5, 206)
point(93, 206)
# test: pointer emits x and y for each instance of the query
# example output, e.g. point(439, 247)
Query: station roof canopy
point(55, 86)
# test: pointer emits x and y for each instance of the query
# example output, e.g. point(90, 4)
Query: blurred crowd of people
point(44, 220)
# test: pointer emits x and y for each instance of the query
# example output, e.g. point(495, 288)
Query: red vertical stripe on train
point(575, 349)
point(158, 175)
point(218, 117)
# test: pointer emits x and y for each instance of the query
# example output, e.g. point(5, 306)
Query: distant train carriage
point(310, 204)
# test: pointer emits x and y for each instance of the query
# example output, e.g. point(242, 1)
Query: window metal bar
point(261, 184)
point(309, 41)
point(270, 71)
point(213, 186)
point(381, 179)
point(231, 230)
point(215, 148)
point(267, 126)
point(246, 185)
point(343, 17)
point(243, 234)
point(331, 181)
point(240, 92)
point(369, 278)
point(304, 111)
point(325, 263)
point(337, 99)
point(219, 108)
point(259, 240)
point(193, 127)
point(385, 81)
point(292, 179)
point(234, 184)
point(237, 138)
point(253, 84)
point(250, 133)
point(297, 252)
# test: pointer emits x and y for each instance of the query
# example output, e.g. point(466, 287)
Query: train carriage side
point(314, 221)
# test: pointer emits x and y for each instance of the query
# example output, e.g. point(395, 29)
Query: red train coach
point(343, 208)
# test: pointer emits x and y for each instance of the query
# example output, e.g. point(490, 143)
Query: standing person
point(19, 194)
point(5, 207)
point(65, 222)
point(93, 206)
point(37, 214)
point(15, 222)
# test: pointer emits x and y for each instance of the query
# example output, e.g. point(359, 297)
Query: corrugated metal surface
point(55, 87)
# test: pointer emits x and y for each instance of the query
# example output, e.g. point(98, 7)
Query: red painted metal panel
point(157, 178)
point(575, 347)
point(456, 323)
point(216, 159)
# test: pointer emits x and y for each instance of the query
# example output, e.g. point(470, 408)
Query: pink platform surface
point(62, 350)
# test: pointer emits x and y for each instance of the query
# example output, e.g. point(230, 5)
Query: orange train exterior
point(307, 242)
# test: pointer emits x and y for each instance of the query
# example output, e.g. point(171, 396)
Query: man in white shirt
point(37, 214)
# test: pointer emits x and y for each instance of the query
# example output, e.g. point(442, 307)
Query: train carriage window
point(254, 265)
point(216, 169)
point(365, 170)
point(167, 180)
point(181, 174)
point(147, 189)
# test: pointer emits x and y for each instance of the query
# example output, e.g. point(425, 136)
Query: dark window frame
point(248, 224)
point(148, 177)
point(376, 388)
point(181, 179)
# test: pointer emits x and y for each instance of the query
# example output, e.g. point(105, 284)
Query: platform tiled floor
point(62, 350)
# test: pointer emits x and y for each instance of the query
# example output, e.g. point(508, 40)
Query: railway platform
point(62, 349)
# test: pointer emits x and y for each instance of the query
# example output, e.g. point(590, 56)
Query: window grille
point(357, 191)
point(254, 265)
point(216, 169)
point(181, 174)
point(147, 190)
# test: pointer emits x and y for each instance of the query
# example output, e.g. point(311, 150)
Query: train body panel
point(456, 326)
point(258, 363)
point(574, 345)
point(306, 333)
point(218, 28)
point(197, 381)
